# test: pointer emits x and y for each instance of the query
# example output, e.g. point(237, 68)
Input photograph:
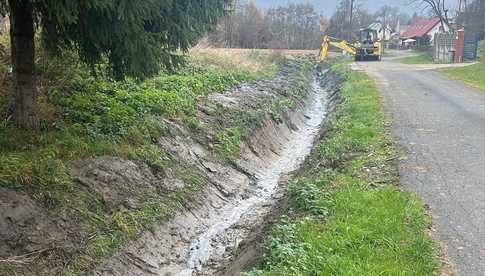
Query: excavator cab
point(369, 45)
point(368, 36)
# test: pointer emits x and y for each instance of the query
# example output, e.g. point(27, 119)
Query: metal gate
point(470, 47)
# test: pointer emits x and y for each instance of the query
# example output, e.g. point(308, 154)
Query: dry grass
point(259, 62)
point(226, 59)
point(239, 51)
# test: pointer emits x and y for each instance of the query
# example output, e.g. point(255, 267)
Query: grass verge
point(420, 58)
point(347, 215)
point(472, 75)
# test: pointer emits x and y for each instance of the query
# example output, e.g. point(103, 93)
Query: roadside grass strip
point(472, 75)
point(421, 58)
point(347, 215)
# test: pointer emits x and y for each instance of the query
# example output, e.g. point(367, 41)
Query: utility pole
point(351, 19)
point(384, 30)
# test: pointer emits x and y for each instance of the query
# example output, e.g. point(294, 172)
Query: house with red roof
point(422, 32)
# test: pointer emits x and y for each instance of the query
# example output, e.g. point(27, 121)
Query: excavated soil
point(216, 232)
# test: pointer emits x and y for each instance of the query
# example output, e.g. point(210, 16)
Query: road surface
point(440, 123)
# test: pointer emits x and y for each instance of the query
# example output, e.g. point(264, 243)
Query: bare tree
point(250, 26)
point(439, 8)
point(295, 26)
point(324, 24)
point(471, 17)
point(340, 24)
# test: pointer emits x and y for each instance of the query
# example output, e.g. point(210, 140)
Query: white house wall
point(436, 30)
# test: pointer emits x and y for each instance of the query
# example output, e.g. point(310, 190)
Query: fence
point(444, 47)
point(459, 47)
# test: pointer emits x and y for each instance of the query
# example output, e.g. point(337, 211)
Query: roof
point(375, 26)
point(421, 27)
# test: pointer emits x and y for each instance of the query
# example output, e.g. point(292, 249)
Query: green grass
point(472, 75)
point(419, 58)
point(347, 215)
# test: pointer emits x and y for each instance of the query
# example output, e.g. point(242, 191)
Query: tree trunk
point(23, 54)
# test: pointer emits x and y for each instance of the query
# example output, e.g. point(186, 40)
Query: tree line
point(296, 26)
point(472, 18)
point(349, 18)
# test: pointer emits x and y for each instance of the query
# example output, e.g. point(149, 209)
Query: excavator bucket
point(341, 44)
point(324, 48)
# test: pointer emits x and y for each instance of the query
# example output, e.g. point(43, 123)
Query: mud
point(102, 173)
point(25, 227)
point(233, 225)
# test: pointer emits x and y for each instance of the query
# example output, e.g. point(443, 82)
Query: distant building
point(382, 33)
point(422, 32)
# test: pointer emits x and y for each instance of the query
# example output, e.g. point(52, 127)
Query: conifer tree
point(136, 37)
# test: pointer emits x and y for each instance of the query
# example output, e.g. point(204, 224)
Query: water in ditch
point(291, 157)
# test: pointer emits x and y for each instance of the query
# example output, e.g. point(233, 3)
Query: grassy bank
point(85, 116)
point(472, 75)
point(419, 58)
point(347, 215)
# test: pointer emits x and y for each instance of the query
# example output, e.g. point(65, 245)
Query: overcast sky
point(327, 7)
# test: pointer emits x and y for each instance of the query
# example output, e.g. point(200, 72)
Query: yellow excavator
point(368, 46)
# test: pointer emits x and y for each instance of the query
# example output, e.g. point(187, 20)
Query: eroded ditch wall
point(213, 235)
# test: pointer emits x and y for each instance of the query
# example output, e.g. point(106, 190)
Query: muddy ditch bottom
point(214, 247)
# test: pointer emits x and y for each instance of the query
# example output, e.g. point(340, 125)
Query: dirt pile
point(24, 227)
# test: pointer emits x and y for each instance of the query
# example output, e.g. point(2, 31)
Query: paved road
point(441, 124)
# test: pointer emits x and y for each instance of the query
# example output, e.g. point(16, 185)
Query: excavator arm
point(341, 44)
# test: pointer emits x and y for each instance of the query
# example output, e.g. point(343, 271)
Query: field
point(236, 52)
